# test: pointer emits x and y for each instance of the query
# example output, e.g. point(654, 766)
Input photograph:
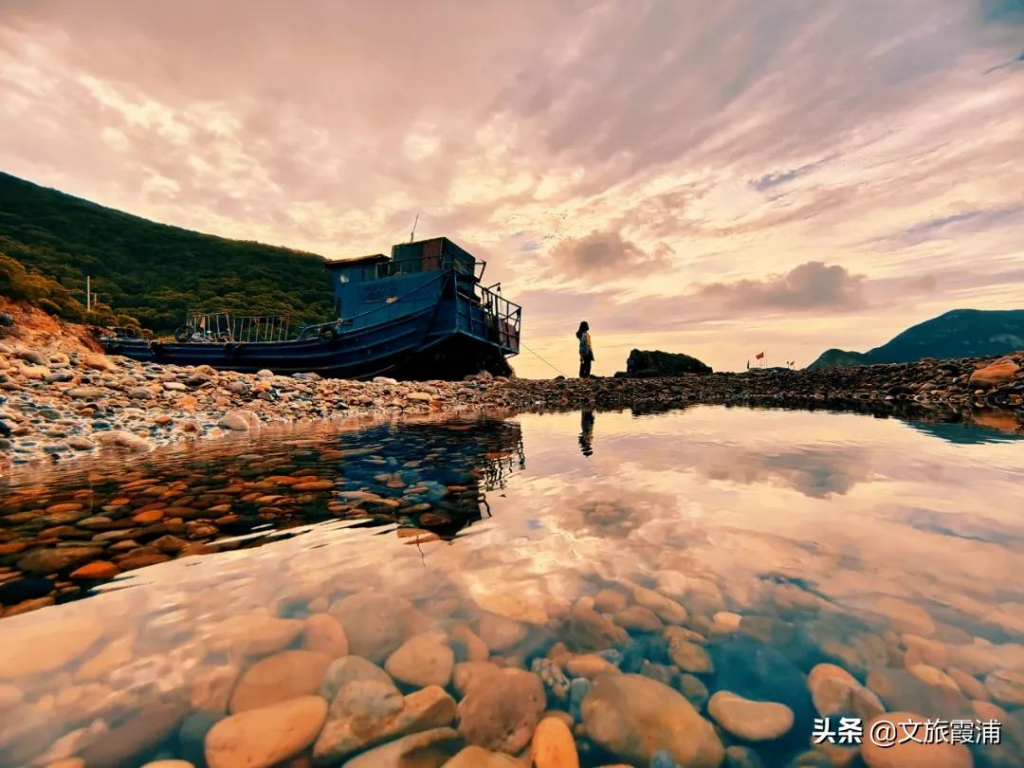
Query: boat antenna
point(413, 233)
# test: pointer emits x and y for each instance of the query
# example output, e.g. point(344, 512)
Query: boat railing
point(503, 318)
point(226, 327)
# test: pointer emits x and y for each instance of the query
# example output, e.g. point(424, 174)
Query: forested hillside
point(153, 272)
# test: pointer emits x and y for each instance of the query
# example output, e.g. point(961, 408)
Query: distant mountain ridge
point(153, 272)
point(957, 333)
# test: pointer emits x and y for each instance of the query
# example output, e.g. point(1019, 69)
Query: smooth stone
point(587, 630)
point(1006, 686)
point(901, 691)
point(589, 665)
point(500, 633)
point(906, 617)
point(750, 720)
point(260, 738)
point(97, 569)
point(553, 745)
point(285, 675)
point(467, 674)
point(478, 757)
point(666, 609)
point(635, 717)
point(835, 691)
point(690, 657)
point(140, 733)
point(115, 654)
point(324, 634)
point(638, 618)
point(911, 754)
point(754, 670)
point(501, 715)
point(348, 669)
point(254, 634)
point(66, 639)
point(971, 687)
point(428, 749)
point(374, 624)
point(366, 713)
point(610, 601)
point(422, 660)
point(933, 676)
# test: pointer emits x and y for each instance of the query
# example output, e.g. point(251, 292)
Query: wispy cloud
point(662, 166)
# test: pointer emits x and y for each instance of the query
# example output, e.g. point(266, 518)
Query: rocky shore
point(61, 403)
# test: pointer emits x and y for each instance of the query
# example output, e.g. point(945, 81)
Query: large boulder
point(647, 365)
point(636, 718)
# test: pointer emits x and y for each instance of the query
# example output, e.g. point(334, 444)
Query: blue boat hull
point(447, 337)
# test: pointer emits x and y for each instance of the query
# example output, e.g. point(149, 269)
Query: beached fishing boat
point(420, 313)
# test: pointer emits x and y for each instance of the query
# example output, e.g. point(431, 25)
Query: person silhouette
point(586, 349)
point(587, 431)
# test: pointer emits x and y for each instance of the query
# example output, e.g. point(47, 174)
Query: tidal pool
point(696, 587)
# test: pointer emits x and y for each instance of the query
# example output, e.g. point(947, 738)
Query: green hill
point(153, 272)
point(959, 333)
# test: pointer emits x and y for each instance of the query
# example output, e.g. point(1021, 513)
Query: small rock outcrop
point(656, 364)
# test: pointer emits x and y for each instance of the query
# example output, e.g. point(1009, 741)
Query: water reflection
point(710, 549)
point(587, 431)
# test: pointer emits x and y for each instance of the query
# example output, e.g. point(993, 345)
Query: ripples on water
point(790, 539)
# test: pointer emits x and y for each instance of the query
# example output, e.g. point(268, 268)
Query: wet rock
point(994, 375)
point(260, 738)
point(148, 727)
point(367, 712)
point(478, 757)
point(468, 646)
point(911, 754)
point(375, 624)
point(500, 633)
point(835, 691)
point(108, 657)
point(348, 669)
point(125, 440)
point(240, 421)
point(587, 630)
point(1006, 686)
point(97, 569)
point(324, 634)
point(553, 745)
point(556, 684)
point(900, 690)
point(638, 618)
point(422, 660)
point(285, 675)
point(757, 671)
point(467, 674)
point(750, 720)
point(635, 718)
point(429, 749)
point(690, 657)
point(67, 639)
point(45, 561)
point(666, 609)
point(254, 634)
point(212, 687)
point(501, 715)
point(906, 617)
point(589, 665)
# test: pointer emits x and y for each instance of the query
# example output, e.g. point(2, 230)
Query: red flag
point(760, 355)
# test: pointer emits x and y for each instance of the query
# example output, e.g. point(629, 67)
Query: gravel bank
point(62, 404)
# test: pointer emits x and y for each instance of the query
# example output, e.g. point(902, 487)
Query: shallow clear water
point(837, 538)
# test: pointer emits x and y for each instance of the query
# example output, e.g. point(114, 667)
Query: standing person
point(586, 349)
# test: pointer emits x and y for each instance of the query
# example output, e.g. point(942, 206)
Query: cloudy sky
point(710, 177)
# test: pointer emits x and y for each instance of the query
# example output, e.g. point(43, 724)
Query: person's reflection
point(586, 431)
